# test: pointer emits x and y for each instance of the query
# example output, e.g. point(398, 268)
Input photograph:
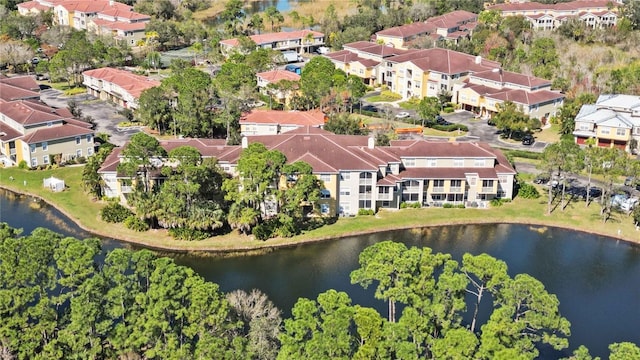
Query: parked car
point(370, 108)
point(528, 139)
point(541, 179)
point(441, 121)
point(402, 115)
point(35, 60)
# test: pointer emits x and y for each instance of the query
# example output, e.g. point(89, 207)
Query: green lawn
point(80, 207)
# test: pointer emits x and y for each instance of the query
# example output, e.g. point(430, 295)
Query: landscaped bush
point(366, 212)
point(499, 202)
point(528, 191)
point(447, 110)
point(135, 223)
point(453, 206)
point(23, 165)
point(265, 230)
point(523, 154)
point(115, 213)
point(452, 127)
point(412, 205)
point(188, 234)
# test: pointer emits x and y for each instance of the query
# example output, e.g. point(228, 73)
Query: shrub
point(135, 223)
point(452, 127)
point(188, 234)
point(23, 165)
point(528, 191)
point(447, 110)
point(499, 202)
point(263, 231)
point(115, 213)
point(366, 212)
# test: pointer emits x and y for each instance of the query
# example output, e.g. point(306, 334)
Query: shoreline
point(266, 248)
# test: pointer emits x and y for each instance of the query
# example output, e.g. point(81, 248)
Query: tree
point(274, 16)
point(345, 125)
point(256, 23)
point(560, 159)
point(92, 182)
point(317, 79)
point(155, 110)
point(543, 57)
point(428, 109)
point(510, 119)
point(232, 16)
point(138, 155)
point(624, 350)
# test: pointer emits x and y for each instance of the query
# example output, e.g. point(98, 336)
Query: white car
point(402, 115)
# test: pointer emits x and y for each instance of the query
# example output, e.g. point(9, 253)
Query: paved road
point(104, 113)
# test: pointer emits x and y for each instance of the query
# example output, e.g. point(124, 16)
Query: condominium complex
point(357, 174)
point(118, 86)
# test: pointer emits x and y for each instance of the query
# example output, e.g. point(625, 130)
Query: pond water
point(596, 278)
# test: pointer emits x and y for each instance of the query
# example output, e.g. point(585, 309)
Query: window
point(621, 132)
point(478, 163)
point(325, 177)
point(605, 130)
point(444, 77)
point(345, 192)
point(472, 181)
point(636, 131)
point(89, 138)
point(34, 162)
point(45, 159)
point(32, 147)
point(45, 146)
point(365, 204)
point(345, 176)
point(324, 208)
point(89, 151)
point(585, 127)
point(77, 140)
point(325, 194)
point(487, 183)
point(458, 162)
point(49, 123)
point(410, 162)
point(345, 208)
point(384, 190)
point(438, 183)
point(432, 162)
point(79, 152)
point(417, 84)
point(365, 189)
point(456, 183)
point(503, 179)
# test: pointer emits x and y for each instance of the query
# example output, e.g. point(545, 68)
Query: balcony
point(385, 197)
point(455, 189)
point(488, 190)
point(439, 189)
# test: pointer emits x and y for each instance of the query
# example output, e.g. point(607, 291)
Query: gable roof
point(9, 92)
point(452, 19)
point(274, 76)
point(24, 82)
point(507, 77)
point(445, 61)
point(371, 48)
point(563, 6)
point(408, 30)
point(31, 113)
point(51, 133)
point(268, 38)
point(132, 83)
point(300, 118)
point(92, 6)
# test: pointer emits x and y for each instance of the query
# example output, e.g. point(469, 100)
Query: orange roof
point(92, 6)
point(567, 6)
point(274, 76)
point(33, 5)
point(120, 25)
point(55, 132)
point(301, 118)
point(132, 83)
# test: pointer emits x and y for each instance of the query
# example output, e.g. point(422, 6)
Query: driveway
point(103, 112)
point(480, 131)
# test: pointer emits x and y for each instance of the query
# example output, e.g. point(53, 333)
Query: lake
point(596, 278)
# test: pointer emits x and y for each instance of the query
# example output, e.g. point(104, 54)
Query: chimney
point(371, 143)
point(478, 59)
point(110, 2)
point(245, 142)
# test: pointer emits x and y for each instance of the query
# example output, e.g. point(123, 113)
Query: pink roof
point(445, 61)
point(275, 37)
point(567, 6)
point(92, 6)
point(300, 118)
point(374, 49)
point(508, 77)
point(526, 97)
point(32, 113)
point(409, 30)
point(121, 13)
point(274, 76)
point(55, 132)
point(9, 92)
point(24, 82)
point(120, 25)
point(452, 19)
point(33, 5)
point(132, 83)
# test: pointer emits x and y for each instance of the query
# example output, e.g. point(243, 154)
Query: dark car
point(528, 140)
point(441, 121)
point(370, 108)
point(541, 179)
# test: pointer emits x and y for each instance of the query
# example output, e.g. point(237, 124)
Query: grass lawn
point(385, 96)
point(434, 132)
point(80, 207)
point(549, 135)
point(411, 104)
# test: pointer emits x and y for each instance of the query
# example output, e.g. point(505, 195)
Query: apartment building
point(272, 122)
point(451, 26)
point(613, 121)
point(102, 17)
point(118, 86)
point(483, 91)
point(430, 72)
point(363, 59)
point(300, 41)
point(33, 132)
point(283, 95)
point(594, 13)
point(359, 175)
